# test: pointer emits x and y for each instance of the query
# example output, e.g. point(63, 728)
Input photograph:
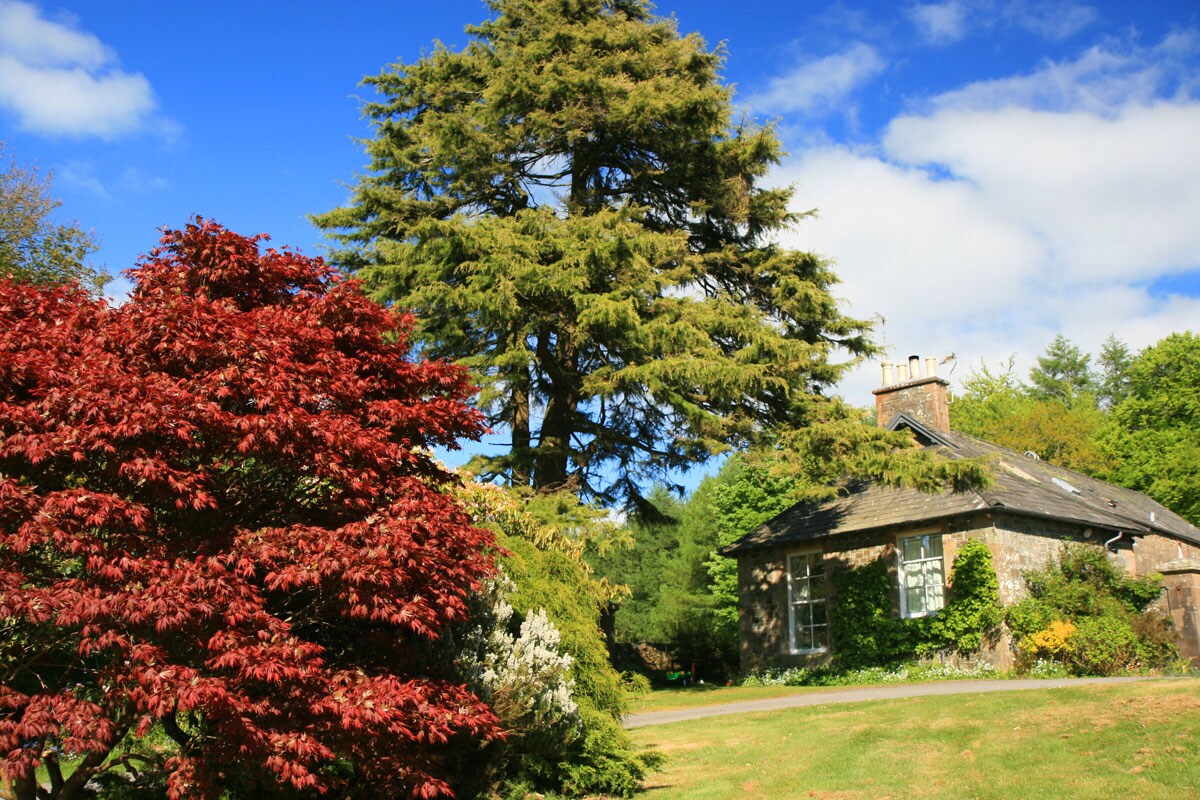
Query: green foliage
point(973, 611)
point(1102, 645)
point(635, 683)
point(1094, 613)
point(571, 210)
point(866, 634)
point(1156, 642)
point(33, 247)
point(546, 539)
point(998, 408)
point(1063, 373)
point(865, 631)
point(831, 443)
point(611, 764)
point(1153, 436)
point(1113, 381)
point(743, 497)
point(667, 602)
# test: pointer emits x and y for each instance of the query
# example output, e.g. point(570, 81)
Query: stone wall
point(1181, 582)
point(1018, 544)
point(1179, 564)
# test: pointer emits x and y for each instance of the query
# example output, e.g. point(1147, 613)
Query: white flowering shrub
point(524, 675)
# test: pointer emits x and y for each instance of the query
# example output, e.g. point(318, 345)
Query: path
point(857, 695)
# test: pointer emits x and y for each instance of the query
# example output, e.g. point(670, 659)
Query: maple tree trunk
point(24, 788)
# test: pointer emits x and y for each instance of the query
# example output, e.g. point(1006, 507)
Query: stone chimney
point(922, 397)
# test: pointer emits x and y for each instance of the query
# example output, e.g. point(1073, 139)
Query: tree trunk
point(557, 357)
point(519, 472)
point(24, 788)
point(554, 446)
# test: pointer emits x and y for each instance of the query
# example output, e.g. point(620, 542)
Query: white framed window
point(922, 574)
point(808, 626)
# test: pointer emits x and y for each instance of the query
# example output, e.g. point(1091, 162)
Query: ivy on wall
point(865, 632)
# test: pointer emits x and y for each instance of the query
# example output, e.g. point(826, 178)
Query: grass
point(1132, 740)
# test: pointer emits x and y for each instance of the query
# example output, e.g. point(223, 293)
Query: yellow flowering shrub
point(1050, 641)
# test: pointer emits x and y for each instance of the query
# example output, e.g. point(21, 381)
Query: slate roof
point(1024, 486)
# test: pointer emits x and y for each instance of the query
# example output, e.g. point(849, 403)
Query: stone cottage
point(1024, 519)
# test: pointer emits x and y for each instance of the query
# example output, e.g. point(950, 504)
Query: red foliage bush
point(219, 518)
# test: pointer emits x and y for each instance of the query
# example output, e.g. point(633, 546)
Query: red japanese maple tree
point(220, 523)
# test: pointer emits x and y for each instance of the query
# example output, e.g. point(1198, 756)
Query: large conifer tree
point(573, 212)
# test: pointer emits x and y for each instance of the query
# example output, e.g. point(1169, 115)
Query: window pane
point(934, 571)
point(913, 577)
point(936, 598)
point(806, 586)
point(800, 590)
point(933, 546)
point(819, 636)
point(911, 548)
point(916, 601)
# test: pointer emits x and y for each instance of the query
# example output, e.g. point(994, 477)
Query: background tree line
point(1129, 418)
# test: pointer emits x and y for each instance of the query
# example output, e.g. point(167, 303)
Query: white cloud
point(993, 220)
point(820, 84)
point(1111, 198)
point(82, 176)
point(1105, 79)
point(952, 21)
point(59, 80)
point(25, 35)
point(1051, 20)
point(940, 23)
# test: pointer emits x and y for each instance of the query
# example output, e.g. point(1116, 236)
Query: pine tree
point(570, 208)
point(1063, 373)
point(1115, 360)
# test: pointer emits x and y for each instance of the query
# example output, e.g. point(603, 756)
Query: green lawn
point(1134, 740)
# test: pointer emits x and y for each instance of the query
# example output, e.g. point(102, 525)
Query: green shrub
point(973, 611)
point(1102, 645)
point(867, 634)
point(635, 684)
point(610, 765)
point(1156, 638)
point(549, 574)
point(1112, 633)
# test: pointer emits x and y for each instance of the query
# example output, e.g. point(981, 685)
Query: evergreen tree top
point(572, 212)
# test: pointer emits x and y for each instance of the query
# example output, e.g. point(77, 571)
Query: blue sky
point(988, 174)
